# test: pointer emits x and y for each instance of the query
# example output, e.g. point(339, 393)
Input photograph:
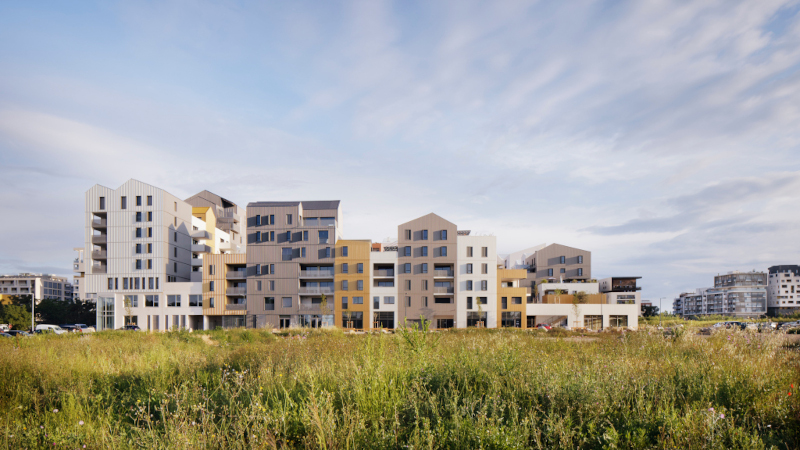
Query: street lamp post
point(659, 311)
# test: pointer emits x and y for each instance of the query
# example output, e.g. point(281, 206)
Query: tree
point(558, 293)
point(649, 311)
point(15, 315)
point(578, 299)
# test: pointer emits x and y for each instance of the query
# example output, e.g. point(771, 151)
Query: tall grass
point(462, 389)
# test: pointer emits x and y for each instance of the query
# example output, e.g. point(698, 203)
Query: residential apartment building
point(291, 248)
point(352, 284)
point(476, 266)
point(383, 286)
point(228, 216)
point(742, 294)
point(42, 286)
point(783, 290)
point(143, 250)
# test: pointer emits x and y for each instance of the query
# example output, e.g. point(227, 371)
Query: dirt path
point(207, 339)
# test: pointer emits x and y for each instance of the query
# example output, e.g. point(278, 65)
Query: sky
point(663, 136)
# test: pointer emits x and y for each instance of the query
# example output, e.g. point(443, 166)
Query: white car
point(44, 328)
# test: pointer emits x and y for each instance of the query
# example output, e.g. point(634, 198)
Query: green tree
point(649, 311)
point(16, 316)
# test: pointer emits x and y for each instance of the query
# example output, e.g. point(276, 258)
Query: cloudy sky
point(662, 136)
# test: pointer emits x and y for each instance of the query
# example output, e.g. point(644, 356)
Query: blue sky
point(662, 136)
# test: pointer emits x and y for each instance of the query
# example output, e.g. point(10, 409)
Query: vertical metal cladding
point(352, 282)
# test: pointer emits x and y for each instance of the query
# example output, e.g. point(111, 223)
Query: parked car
point(131, 328)
point(19, 333)
point(70, 328)
point(543, 326)
point(45, 328)
point(4, 327)
point(85, 328)
point(789, 325)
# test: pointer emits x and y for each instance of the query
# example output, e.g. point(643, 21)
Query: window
point(288, 236)
point(562, 259)
point(287, 302)
point(110, 283)
point(469, 268)
point(288, 219)
point(580, 259)
point(149, 200)
point(305, 235)
point(269, 303)
point(443, 251)
point(150, 219)
point(344, 251)
point(425, 302)
point(516, 300)
point(344, 285)
point(424, 285)
point(344, 302)
point(424, 267)
point(102, 203)
point(407, 268)
point(138, 200)
point(469, 252)
point(469, 302)
point(258, 236)
point(176, 206)
point(469, 285)
point(149, 248)
point(271, 285)
point(271, 219)
point(562, 270)
point(580, 271)
point(271, 269)
point(345, 267)
point(360, 268)
point(484, 285)
point(549, 272)
point(258, 269)
point(407, 251)
point(359, 286)
point(408, 285)
point(211, 302)
point(485, 252)
point(408, 301)
point(302, 252)
point(358, 300)
point(425, 251)
point(211, 286)
point(483, 300)
point(443, 235)
point(138, 216)
point(484, 268)
point(151, 301)
point(618, 321)
point(138, 232)
point(424, 235)
point(149, 264)
point(211, 269)
point(258, 285)
point(327, 252)
point(258, 219)
point(286, 254)
point(174, 300)
point(138, 264)
point(123, 203)
point(195, 300)
point(150, 283)
point(323, 236)
point(175, 254)
point(389, 300)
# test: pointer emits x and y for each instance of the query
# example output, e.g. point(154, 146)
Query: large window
point(476, 319)
point(593, 322)
point(511, 319)
point(151, 300)
point(269, 303)
point(287, 302)
point(353, 319)
point(358, 300)
point(444, 323)
point(131, 301)
point(618, 321)
point(323, 236)
point(174, 300)
point(195, 300)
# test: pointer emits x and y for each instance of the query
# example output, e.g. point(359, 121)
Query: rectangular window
point(344, 251)
point(407, 268)
point(580, 271)
point(211, 286)
point(150, 283)
point(149, 264)
point(344, 285)
point(485, 252)
point(580, 259)
point(562, 270)
point(173, 300)
point(150, 219)
point(151, 301)
point(360, 268)
point(549, 272)
point(469, 268)
point(389, 300)
point(138, 248)
point(175, 254)
point(345, 267)
point(288, 219)
point(258, 219)
point(424, 235)
point(269, 303)
point(288, 236)
point(323, 236)
point(443, 251)
point(302, 252)
point(562, 259)
point(360, 285)
point(516, 300)
point(287, 302)
point(123, 203)
point(425, 302)
point(408, 234)
point(407, 251)
point(138, 264)
point(376, 302)
point(271, 219)
point(271, 285)
point(102, 203)
point(408, 301)
point(408, 285)
point(469, 285)
point(157, 278)
point(271, 269)
point(116, 283)
point(138, 216)
point(149, 200)
point(358, 300)
point(138, 232)
point(469, 252)
point(138, 200)
point(176, 206)
point(286, 254)
point(327, 252)
point(425, 251)
point(149, 248)
point(469, 302)
point(483, 300)
point(258, 285)
point(211, 302)
point(258, 269)
point(484, 268)
point(424, 267)
point(110, 283)
point(258, 236)
point(195, 300)
point(424, 285)
point(344, 302)
point(484, 285)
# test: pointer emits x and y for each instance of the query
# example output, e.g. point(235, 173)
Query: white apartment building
point(42, 286)
point(476, 275)
point(783, 290)
point(383, 289)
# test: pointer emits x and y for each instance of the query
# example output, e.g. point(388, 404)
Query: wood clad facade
point(356, 262)
point(508, 291)
point(216, 269)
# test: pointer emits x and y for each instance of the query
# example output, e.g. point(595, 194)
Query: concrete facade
point(783, 290)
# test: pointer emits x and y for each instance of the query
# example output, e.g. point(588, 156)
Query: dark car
point(131, 328)
point(19, 333)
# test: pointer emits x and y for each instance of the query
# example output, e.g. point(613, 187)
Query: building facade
point(741, 294)
point(42, 286)
point(783, 290)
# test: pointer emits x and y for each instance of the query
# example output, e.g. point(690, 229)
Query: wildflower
point(711, 410)
point(722, 416)
point(80, 423)
point(55, 410)
point(41, 426)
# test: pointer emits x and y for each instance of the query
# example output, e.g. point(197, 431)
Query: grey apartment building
point(741, 294)
point(426, 263)
point(783, 290)
point(290, 263)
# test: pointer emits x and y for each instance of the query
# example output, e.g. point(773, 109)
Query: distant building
point(742, 294)
point(783, 290)
point(41, 285)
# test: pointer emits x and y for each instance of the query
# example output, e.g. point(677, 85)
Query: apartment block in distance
point(742, 294)
point(143, 257)
point(42, 286)
point(291, 249)
point(783, 290)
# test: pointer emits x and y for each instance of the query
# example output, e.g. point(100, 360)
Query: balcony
point(383, 273)
point(236, 291)
point(99, 269)
point(236, 275)
point(200, 234)
point(99, 223)
point(316, 290)
point(197, 262)
point(443, 291)
point(236, 306)
point(77, 267)
point(443, 273)
point(316, 274)
point(99, 254)
point(200, 248)
point(315, 307)
point(100, 239)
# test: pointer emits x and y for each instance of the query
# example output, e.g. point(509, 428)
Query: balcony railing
point(101, 239)
point(316, 274)
point(99, 269)
point(236, 291)
point(99, 254)
point(443, 273)
point(236, 274)
point(236, 306)
point(200, 248)
point(314, 307)
point(99, 223)
point(443, 290)
point(316, 290)
point(197, 262)
point(200, 234)
point(383, 273)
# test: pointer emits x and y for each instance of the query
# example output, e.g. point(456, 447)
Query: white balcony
point(316, 274)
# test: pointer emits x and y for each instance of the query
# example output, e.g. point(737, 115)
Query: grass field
point(463, 389)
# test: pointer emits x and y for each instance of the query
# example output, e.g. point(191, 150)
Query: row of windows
point(359, 267)
point(133, 283)
point(423, 235)
point(123, 202)
point(437, 251)
point(484, 286)
point(484, 252)
point(359, 285)
point(308, 221)
point(563, 270)
point(132, 301)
